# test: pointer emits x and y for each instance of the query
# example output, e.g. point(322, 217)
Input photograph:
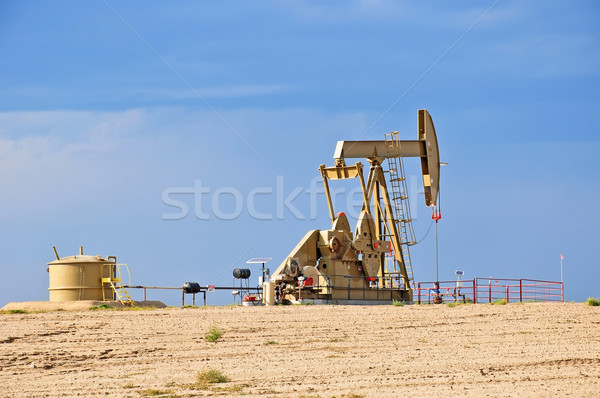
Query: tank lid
point(80, 259)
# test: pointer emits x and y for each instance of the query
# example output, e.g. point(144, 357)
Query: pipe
point(55, 252)
point(81, 250)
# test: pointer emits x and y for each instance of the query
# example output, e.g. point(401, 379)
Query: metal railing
point(383, 286)
point(488, 290)
point(478, 290)
point(517, 290)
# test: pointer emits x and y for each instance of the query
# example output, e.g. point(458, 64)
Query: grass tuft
point(155, 393)
point(398, 303)
point(499, 302)
point(594, 302)
point(214, 334)
point(271, 342)
point(17, 312)
point(100, 307)
point(211, 376)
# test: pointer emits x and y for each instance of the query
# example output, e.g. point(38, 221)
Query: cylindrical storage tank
point(269, 293)
point(75, 278)
point(191, 287)
point(241, 273)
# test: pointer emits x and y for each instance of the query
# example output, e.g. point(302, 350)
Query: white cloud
point(183, 93)
point(49, 158)
point(62, 161)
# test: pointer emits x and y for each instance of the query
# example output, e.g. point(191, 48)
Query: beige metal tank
point(79, 277)
point(269, 293)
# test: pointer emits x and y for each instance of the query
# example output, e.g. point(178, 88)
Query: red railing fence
point(487, 290)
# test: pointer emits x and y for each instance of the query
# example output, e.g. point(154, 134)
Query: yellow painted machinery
point(371, 265)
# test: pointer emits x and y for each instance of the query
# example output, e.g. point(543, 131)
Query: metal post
point(561, 272)
point(204, 291)
point(419, 292)
point(520, 290)
point(490, 289)
point(144, 294)
point(507, 296)
point(474, 291)
point(364, 278)
point(437, 276)
point(348, 279)
point(193, 299)
point(182, 298)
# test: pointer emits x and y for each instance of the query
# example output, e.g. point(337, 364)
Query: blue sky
point(103, 109)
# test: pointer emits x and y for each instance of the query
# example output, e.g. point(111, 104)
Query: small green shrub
point(452, 305)
point(594, 302)
point(153, 393)
point(17, 312)
point(211, 376)
point(499, 302)
point(214, 334)
point(100, 307)
point(271, 342)
point(398, 303)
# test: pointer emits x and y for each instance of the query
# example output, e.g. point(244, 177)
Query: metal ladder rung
point(120, 292)
point(401, 212)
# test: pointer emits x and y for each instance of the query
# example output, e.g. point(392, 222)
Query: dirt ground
point(520, 350)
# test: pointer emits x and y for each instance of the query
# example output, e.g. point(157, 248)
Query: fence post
point(490, 288)
point(364, 285)
point(520, 290)
point(348, 288)
point(507, 296)
point(419, 291)
point(474, 291)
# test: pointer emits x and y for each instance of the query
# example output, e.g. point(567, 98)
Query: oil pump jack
point(372, 265)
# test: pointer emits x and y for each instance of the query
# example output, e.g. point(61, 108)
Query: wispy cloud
point(181, 79)
point(249, 90)
point(547, 55)
point(66, 160)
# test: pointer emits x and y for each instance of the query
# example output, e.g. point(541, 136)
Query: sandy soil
point(537, 350)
